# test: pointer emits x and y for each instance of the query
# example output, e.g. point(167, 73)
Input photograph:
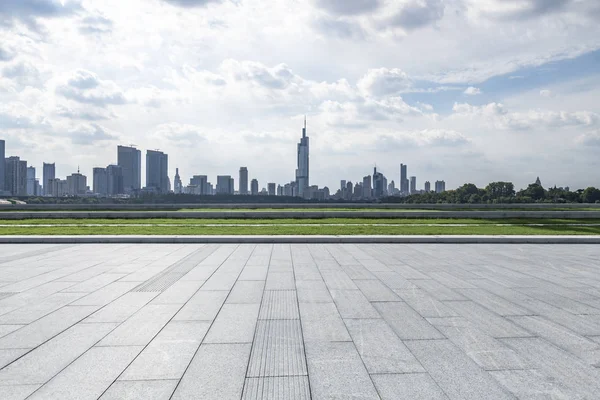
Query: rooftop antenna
point(304, 130)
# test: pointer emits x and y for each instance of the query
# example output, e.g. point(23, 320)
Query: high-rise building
point(342, 184)
point(413, 184)
point(58, 187)
point(254, 187)
point(157, 171)
point(31, 182)
point(391, 188)
point(130, 160)
point(49, 173)
point(100, 181)
point(366, 187)
point(243, 180)
point(177, 185)
point(2, 165)
point(302, 173)
point(15, 176)
point(76, 184)
point(279, 190)
point(224, 184)
point(379, 184)
point(199, 185)
point(271, 189)
point(403, 179)
point(114, 180)
point(440, 186)
point(349, 190)
point(427, 186)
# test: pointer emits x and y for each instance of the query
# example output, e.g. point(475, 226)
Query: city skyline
point(382, 82)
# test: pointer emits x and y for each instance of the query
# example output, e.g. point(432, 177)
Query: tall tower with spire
point(178, 187)
point(302, 172)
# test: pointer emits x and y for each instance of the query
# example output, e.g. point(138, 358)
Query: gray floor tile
point(134, 390)
point(6, 329)
point(280, 281)
point(107, 294)
point(425, 304)
point(246, 292)
point(234, 324)
point(203, 306)
point(380, 349)
point(338, 280)
point(122, 308)
point(275, 388)
point(487, 321)
point(533, 384)
point(374, 290)
point(27, 315)
point(322, 322)
point(279, 304)
point(353, 304)
point(407, 387)
point(216, 372)
point(457, 375)
point(90, 375)
point(336, 370)
point(7, 356)
point(18, 392)
point(312, 292)
point(394, 280)
point(178, 293)
point(254, 273)
point(492, 302)
point(437, 290)
point(406, 322)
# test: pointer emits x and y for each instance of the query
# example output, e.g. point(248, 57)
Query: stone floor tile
point(374, 290)
point(18, 392)
point(276, 388)
point(425, 304)
point(279, 304)
point(203, 306)
point(487, 321)
point(353, 304)
point(406, 322)
point(309, 291)
point(407, 387)
point(234, 324)
point(136, 390)
point(246, 292)
point(322, 322)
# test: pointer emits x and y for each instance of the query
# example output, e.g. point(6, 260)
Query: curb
point(449, 239)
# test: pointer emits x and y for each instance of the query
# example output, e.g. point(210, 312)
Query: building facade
point(100, 181)
point(157, 171)
point(440, 186)
point(427, 187)
point(302, 172)
point(48, 174)
point(15, 176)
point(76, 184)
point(403, 179)
point(130, 160)
point(254, 187)
point(177, 184)
point(271, 188)
point(115, 180)
point(366, 187)
point(224, 184)
point(2, 166)
point(31, 182)
point(413, 184)
point(243, 180)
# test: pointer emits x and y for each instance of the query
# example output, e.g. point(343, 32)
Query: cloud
point(83, 114)
point(86, 87)
point(89, 134)
point(472, 91)
point(347, 7)
point(500, 118)
point(6, 54)
point(546, 93)
point(417, 14)
point(15, 116)
point(384, 81)
point(95, 24)
point(590, 139)
point(515, 9)
point(421, 138)
point(28, 11)
point(182, 134)
point(191, 3)
point(277, 77)
point(340, 28)
point(23, 72)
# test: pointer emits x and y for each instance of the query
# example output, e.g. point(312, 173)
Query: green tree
point(591, 195)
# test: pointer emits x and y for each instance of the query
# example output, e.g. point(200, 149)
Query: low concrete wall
point(252, 206)
point(301, 239)
point(297, 214)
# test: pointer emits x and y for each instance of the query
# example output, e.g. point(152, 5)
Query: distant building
point(254, 187)
point(199, 185)
point(2, 166)
point(302, 172)
point(243, 181)
point(224, 184)
point(279, 190)
point(538, 182)
point(358, 191)
point(31, 182)
point(342, 184)
point(130, 160)
point(440, 186)
point(271, 187)
point(413, 184)
point(403, 179)
point(115, 180)
point(177, 184)
point(366, 187)
point(100, 181)
point(391, 188)
point(427, 187)
point(58, 187)
point(379, 184)
point(76, 184)
point(49, 173)
point(15, 176)
point(157, 171)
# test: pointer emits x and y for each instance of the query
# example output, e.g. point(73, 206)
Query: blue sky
point(460, 90)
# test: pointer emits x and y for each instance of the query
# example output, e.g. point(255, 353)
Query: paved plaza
point(299, 321)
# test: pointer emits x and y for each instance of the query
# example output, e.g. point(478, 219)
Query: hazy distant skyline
point(460, 90)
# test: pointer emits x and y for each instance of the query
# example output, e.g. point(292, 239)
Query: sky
point(459, 90)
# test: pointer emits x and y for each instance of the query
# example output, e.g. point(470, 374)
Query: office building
point(199, 185)
point(254, 187)
point(427, 187)
point(224, 184)
point(342, 184)
point(243, 181)
point(366, 187)
point(58, 187)
point(49, 173)
point(31, 182)
point(440, 186)
point(302, 172)
point(391, 188)
point(130, 161)
point(379, 184)
point(403, 179)
point(271, 189)
point(15, 176)
point(2, 165)
point(76, 184)
point(100, 181)
point(279, 190)
point(413, 184)
point(177, 184)
point(157, 171)
point(115, 180)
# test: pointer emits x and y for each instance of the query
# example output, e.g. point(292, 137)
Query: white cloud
point(546, 93)
point(86, 87)
point(384, 81)
point(472, 91)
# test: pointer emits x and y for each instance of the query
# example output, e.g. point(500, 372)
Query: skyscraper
point(31, 186)
point(15, 176)
point(302, 173)
point(157, 171)
point(130, 160)
point(254, 187)
point(366, 187)
point(243, 180)
point(403, 179)
point(271, 187)
point(114, 180)
point(2, 157)
point(100, 181)
point(440, 186)
point(49, 174)
point(413, 184)
point(199, 184)
point(224, 184)
point(177, 185)
point(427, 186)
point(76, 184)
point(379, 184)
